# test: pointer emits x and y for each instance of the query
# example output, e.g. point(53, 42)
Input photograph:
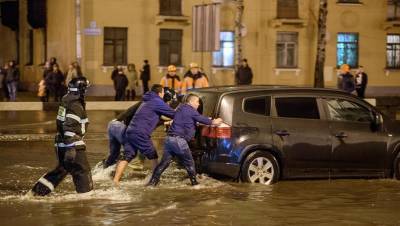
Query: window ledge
point(275, 23)
point(279, 70)
point(391, 24)
point(160, 19)
point(215, 69)
point(350, 3)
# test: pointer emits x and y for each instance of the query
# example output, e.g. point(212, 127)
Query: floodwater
point(28, 154)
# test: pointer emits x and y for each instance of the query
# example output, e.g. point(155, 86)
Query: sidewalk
point(28, 101)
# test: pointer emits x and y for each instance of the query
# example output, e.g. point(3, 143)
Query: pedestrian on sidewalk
point(145, 76)
point(244, 74)
point(361, 82)
point(138, 133)
point(3, 83)
point(347, 79)
point(121, 82)
point(132, 82)
point(55, 83)
point(72, 123)
point(12, 80)
point(180, 133)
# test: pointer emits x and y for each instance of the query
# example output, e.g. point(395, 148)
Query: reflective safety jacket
point(72, 122)
point(173, 82)
point(190, 81)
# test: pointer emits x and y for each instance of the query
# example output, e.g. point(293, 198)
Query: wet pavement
point(26, 153)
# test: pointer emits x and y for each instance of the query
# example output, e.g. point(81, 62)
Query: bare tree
point(238, 30)
point(320, 59)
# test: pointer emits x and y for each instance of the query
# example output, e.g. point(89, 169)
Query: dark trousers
point(361, 92)
point(145, 86)
point(69, 161)
point(175, 147)
point(119, 95)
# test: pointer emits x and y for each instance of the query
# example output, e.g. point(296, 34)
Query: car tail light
point(221, 131)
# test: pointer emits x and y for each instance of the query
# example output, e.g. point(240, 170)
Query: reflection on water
point(213, 202)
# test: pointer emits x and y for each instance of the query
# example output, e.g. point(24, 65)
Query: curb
point(40, 106)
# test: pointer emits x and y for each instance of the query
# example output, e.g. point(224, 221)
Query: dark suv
point(276, 132)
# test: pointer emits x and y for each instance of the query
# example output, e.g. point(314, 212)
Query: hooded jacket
point(147, 116)
point(184, 123)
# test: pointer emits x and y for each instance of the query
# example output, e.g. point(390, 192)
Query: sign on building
point(206, 19)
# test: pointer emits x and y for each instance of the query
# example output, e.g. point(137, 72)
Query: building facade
point(278, 38)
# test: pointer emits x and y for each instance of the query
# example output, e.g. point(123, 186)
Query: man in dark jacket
point(347, 79)
point(181, 132)
point(3, 85)
point(72, 124)
point(55, 83)
point(244, 75)
point(121, 82)
point(12, 79)
point(145, 76)
point(140, 128)
point(361, 82)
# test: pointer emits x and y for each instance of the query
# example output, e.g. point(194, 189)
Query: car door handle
point(341, 135)
point(282, 133)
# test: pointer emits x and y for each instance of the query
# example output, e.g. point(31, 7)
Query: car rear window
point(297, 107)
point(208, 101)
point(257, 105)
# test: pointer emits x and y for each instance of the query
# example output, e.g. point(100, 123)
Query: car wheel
point(260, 167)
point(396, 167)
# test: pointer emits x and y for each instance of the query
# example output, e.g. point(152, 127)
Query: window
point(297, 107)
point(349, 1)
point(286, 48)
point(170, 7)
point(393, 10)
point(393, 51)
point(257, 105)
point(226, 54)
point(170, 47)
point(347, 49)
point(344, 110)
point(115, 46)
point(288, 9)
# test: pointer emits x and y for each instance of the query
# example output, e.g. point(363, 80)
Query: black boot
point(153, 181)
point(193, 180)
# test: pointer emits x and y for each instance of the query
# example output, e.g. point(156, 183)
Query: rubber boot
point(153, 181)
point(193, 180)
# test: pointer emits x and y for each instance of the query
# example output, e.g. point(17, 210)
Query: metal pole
point(78, 31)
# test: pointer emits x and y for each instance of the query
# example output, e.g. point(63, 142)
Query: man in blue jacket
point(138, 133)
point(181, 132)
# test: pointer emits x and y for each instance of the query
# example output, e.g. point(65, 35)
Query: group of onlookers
point(53, 83)
point(349, 83)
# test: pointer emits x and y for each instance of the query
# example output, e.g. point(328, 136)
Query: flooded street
point(27, 154)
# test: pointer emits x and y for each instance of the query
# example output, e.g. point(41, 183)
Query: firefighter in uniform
point(72, 124)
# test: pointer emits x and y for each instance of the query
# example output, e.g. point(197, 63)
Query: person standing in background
point(244, 75)
point(3, 74)
point(12, 79)
point(145, 76)
point(132, 82)
point(361, 82)
point(194, 78)
point(347, 79)
point(121, 82)
point(171, 79)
